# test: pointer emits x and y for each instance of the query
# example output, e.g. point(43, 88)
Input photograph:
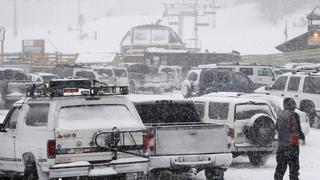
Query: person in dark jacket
point(289, 133)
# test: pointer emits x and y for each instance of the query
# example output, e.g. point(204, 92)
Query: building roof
point(296, 44)
point(315, 14)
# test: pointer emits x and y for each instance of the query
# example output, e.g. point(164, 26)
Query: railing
point(283, 58)
point(46, 59)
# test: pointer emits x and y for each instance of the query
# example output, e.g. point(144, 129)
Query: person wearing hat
point(289, 133)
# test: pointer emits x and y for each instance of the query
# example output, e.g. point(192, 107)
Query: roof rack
point(96, 88)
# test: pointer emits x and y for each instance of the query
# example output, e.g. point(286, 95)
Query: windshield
point(120, 72)
point(312, 85)
point(95, 117)
point(104, 72)
point(168, 112)
point(247, 111)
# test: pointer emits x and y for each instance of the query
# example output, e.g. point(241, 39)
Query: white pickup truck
point(47, 136)
point(178, 142)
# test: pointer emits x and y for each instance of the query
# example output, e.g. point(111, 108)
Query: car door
point(7, 139)
point(293, 88)
point(278, 88)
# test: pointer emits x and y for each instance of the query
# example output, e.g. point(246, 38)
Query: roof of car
point(43, 74)
point(228, 99)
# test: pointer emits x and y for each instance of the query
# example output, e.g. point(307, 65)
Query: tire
point(258, 158)
point(260, 130)
point(132, 87)
point(214, 174)
point(185, 91)
point(30, 172)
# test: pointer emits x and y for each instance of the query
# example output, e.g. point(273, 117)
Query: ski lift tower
point(202, 11)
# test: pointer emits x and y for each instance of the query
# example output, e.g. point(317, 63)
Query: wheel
point(185, 91)
point(30, 172)
point(132, 87)
point(214, 174)
point(260, 130)
point(258, 158)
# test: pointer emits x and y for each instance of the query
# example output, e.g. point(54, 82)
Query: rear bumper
point(191, 161)
point(245, 147)
point(124, 165)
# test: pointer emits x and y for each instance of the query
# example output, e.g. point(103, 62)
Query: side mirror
point(268, 87)
point(2, 129)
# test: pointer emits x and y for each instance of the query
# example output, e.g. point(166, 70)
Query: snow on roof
point(96, 58)
point(162, 50)
point(228, 99)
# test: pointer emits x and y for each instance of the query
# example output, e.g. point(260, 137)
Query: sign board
point(36, 46)
point(2, 33)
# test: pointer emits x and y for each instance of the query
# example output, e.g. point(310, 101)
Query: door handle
point(282, 94)
point(295, 95)
point(13, 136)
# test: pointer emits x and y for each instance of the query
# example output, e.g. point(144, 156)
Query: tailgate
point(190, 139)
point(79, 145)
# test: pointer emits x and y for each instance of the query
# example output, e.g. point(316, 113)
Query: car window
point(37, 115)
point(246, 71)
point(218, 110)
point(200, 107)
point(265, 72)
point(12, 119)
point(85, 74)
point(311, 85)
point(223, 77)
point(193, 76)
point(280, 84)
point(104, 72)
point(208, 76)
point(167, 112)
point(241, 79)
point(294, 84)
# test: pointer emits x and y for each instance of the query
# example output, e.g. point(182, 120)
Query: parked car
point(180, 142)
point(203, 81)
point(174, 75)
point(105, 74)
point(41, 77)
point(303, 87)
point(143, 77)
point(259, 74)
point(251, 123)
point(13, 83)
point(50, 136)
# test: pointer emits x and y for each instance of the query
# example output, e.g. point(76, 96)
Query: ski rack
point(96, 89)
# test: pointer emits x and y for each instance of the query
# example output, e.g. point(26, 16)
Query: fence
point(46, 59)
point(283, 58)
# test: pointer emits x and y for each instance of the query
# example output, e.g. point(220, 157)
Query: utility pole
point(15, 29)
point(2, 38)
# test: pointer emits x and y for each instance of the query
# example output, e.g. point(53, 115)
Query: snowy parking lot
point(241, 169)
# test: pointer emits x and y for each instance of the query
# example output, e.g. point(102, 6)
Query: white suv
point(303, 87)
point(49, 136)
point(251, 123)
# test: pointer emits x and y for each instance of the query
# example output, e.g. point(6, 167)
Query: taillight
point(230, 137)
point(51, 149)
point(231, 132)
point(71, 90)
point(148, 143)
point(200, 88)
